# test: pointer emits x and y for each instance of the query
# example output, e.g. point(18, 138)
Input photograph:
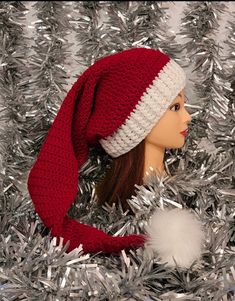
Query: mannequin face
point(167, 132)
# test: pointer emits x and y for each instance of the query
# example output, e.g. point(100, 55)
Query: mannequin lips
point(184, 133)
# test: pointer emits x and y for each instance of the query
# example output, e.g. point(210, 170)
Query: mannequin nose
point(187, 117)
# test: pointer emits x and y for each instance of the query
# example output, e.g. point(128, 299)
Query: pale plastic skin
point(166, 134)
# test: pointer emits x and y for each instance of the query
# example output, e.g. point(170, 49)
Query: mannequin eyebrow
point(185, 97)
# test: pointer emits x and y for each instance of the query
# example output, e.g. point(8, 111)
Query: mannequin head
point(166, 133)
point(130, 168)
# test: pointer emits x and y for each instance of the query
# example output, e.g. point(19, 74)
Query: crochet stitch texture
point(113, 104)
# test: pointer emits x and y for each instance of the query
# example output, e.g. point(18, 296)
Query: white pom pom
point(175, 234)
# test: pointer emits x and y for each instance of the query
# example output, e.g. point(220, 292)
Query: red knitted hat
point(114, 104)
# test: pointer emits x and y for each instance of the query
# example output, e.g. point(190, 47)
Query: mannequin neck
point(154, 156)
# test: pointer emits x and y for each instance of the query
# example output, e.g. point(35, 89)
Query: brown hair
point(120, 179)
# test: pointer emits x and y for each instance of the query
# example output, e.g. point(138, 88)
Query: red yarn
point(96, 105)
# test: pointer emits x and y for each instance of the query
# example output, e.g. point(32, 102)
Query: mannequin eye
point(176, 107)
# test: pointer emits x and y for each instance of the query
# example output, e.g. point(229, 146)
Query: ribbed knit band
point(150, 108)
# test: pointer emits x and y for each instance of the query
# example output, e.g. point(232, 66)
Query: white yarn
point(152, 105)
point(175, 234)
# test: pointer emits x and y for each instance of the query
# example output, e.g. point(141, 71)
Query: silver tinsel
point(200, 175)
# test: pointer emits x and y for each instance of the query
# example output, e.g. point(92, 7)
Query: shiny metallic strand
point(213, 84)
point(90, 32)
point(14, 82)
point(138, 23)
point(201, 175)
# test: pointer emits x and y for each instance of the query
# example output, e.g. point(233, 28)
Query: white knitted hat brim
point(151, 106)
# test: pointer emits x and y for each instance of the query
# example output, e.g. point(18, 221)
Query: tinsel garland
point(200, 179)
point(39, 267)
point(211, 84)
